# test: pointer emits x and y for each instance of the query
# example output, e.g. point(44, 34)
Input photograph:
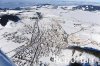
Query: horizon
point(49, 0)
point(24, 3)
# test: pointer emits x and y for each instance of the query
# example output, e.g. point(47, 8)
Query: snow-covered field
point(48, 39)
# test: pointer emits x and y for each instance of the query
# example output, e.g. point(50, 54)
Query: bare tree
point(41, 43)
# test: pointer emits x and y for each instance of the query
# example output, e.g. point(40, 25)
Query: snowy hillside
point(43, 36)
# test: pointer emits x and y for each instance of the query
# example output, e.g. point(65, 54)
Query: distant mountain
point(87, 7)
point(23, 3)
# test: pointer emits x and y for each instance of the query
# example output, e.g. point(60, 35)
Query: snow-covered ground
point(66, 28)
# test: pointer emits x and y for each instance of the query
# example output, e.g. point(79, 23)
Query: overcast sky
point(50, 0)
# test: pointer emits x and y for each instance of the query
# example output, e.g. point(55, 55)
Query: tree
point(41, 43)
